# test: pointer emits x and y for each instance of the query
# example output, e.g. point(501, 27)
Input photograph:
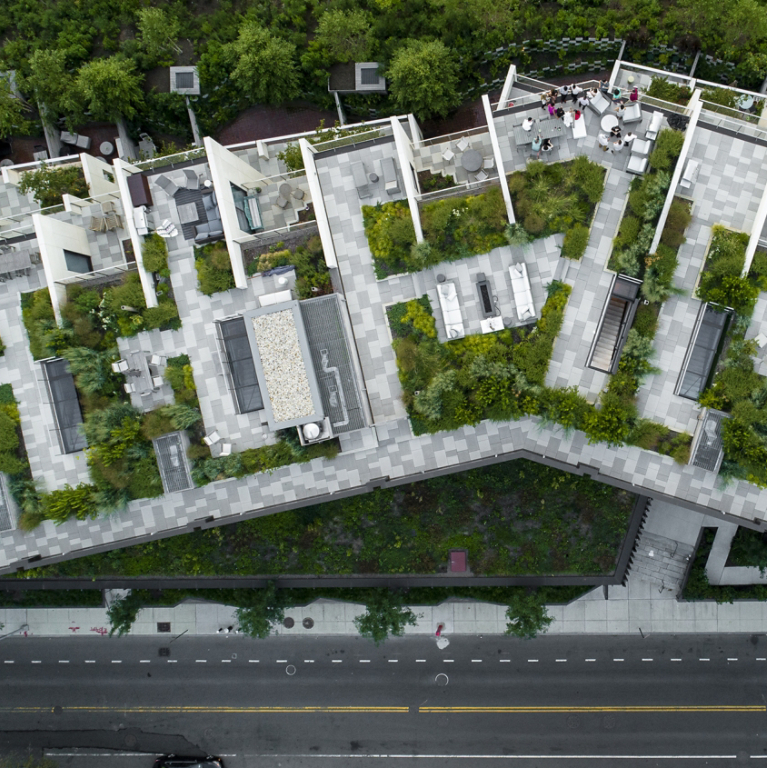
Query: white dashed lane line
point(226, 661)
point(710, 659)
point(282, 661)
point(393, 661)
point(308, 661)
point(253, 661)
point(201, 661)
point(338, 661)
point(63, 661)
point(8, 661)
point(532, 661)
point(505, 661)
point(448, 661)
point(731, 659)
point(476, 661)
point(145, 661)
point(90, 661)
point(617, 659)
point(674, 659)
point(420, 661)
point(37, 662)
point(364, 661)
point(646, 659)
point(561, 661)
point(117, 661)
point(172, 661)
point(590, 660)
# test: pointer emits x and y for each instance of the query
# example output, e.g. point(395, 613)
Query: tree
point(92, 369)
point(265, 67)
point(527, 615)
point(110, 88)
point(385, 616)
point(265, 608)
point(48, 184)
point(51, 84)
point(122, 613)
point(345, 34)
point(424, 79)
point(12, 111)
point(159, 32)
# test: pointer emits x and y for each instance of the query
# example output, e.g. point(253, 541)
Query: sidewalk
point(628, 609)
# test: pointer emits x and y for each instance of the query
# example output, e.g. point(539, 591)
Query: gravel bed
point(284, 368)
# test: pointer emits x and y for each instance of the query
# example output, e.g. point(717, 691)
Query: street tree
point(345, 34)
point(527, 615)
point(12, 110)
point(122, 613)
point(385, 615)
point(265, 65)
point(158, 31)
point(264, 608)
point(424, 79)
point(110, 88)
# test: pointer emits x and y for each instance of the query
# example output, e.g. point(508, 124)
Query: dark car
point(182, 761)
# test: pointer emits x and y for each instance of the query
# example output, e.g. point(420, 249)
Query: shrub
point(517, 236)
point(668, 145)
point(164, 316)
point(534, 223)
point(48, 184)
point(154, 253)
point(527, 615)
point(576, 240)
point(39, 321)
point(60, 505)
point(645, 320)
point(613, 422)
point(263, 610)
point(732, 291)
point(659, 274)
point(156, 423)
point(629, 229)
point(661, 88)
point(647, 434)
point(390, 234)
point(679, 218)
point(214, 270)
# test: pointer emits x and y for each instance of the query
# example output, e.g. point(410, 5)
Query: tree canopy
point(264, 65)
point(12, 111)
point(110, 88)
point(424, 79)
point(345, 34)
point(385, 615)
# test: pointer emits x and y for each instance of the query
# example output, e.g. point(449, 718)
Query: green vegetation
point(154, 255)
point(122, 613)
point(385, 615)
point(721, 281)
point(662, 88)
point(748, 549)
point(737, 388)
point(214, 269)
point(13, 455)
point(312, 275)
point(424, 79)
point(26, 761)
point(560, 197)
point(527, 615)
point(514, 518)
point(49, 183)
point(453, 228)
point(496, 376)
point(12, 112)
point(263, 611)
point(51, 598)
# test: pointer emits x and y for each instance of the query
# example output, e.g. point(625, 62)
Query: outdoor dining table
point(609, 122)
point(471, 160)
point(138, 372)
point(746, 102)
point(547, 129)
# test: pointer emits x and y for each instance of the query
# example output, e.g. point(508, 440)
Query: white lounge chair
point(157, 382)
point(481, 176)
point(690, 173)
point(129, 388)
point(579, 128)
point(451, 310)
point(226, 449)
point(156, 360)
point(632, 113)
point(120, 366)
point(599, 104)
point(655, 123)
point(636, 164)
point(523, 296)
point(211, 439)
point(488, 163)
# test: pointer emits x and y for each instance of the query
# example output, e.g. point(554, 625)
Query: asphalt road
point(691, 700)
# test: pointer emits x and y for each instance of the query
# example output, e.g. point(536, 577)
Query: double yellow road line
point(542, 710)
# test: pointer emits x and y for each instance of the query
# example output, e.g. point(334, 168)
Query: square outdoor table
point(521, 136)
point(139, 374)
point(551, 128)
point(187, 213)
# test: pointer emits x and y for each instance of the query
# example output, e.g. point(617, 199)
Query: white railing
point(178, 157)
point(669, 106)
point(684, 79)
point(268, 234)
point(732, 112)
point(736, 126)
point(448, 137)
point(115, 269)
point(351, 140)
point(460, 189)
point(21, 167)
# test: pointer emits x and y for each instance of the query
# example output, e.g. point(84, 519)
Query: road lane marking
point(674, 659)
point(393, 661)
point(90, 661)
point(447, 661)
point(7, 661)
point(420, 661)
point(761, 708)
point(646, 659)
point(561, 661)
point(282, 661)
point(308, 661)
point(63, 661)
point(207, 710)
point(201, 661)
point(226, 661)
point(532, 661)
point(338, 661)
point(408, 757)
point(172, 661)
point(253, 661)
point(731, 659)
point(364, 661)
point(37, 662)
point(476, 661)
point(145, 661)
point(116, 661)
point(505, 661)
point(617, 659)
point(590, 660)
point(761, 659)
point(704, 659)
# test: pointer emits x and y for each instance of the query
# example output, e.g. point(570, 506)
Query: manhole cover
point(573, 722)
point(441, 679)
point(130, 740)
point(163, 652)
point(608, 721)
point(308, 623)
point(290, 669)
point(163, 626)
point(288, 623)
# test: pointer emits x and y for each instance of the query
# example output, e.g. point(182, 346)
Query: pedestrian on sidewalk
point(604, 142)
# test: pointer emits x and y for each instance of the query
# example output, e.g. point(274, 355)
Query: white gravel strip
point(283, 364)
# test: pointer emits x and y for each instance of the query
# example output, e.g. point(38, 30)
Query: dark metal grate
point(163, 626)
point(708, 451)
point(171, 459)
point(332, 364)
point(184, 80)
point(6, 523)
point(239, 359)
point(164, 652)
point(369, 75)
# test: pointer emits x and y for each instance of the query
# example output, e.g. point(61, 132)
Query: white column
point(406, 163)
point(498, 158)
point(323, 223)
point(756, 232)
point(511, 78)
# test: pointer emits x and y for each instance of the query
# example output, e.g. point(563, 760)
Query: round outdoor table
point(746, 102)
point(6, 162)
point(609, 122)
point(285, 190)
point(471, 160)
point(106, 148)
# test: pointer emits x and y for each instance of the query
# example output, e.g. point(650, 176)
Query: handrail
point(460, 188)
point(661, 72)
point(351, 140)
point(105, 272)
point(447, 137)
point(158, 162)
point(741, 126)
point(731, 112)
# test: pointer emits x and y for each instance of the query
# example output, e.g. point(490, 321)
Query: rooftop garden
point(214, 269)
point(514, 518)
point(48, 183)
point(497, 376)
point(556, 197)
point(453, 228)
point(662, 88)
point(737, 388)
point(307, 256)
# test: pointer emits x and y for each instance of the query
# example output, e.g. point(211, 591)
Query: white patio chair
point(156, 360)
point(488, 163)
point(120, 366)
point(157, 381)
point(481, 176)
point(462, 144)
point(211, 439)
point(129, 388)
point(226, 449)
point(448, 155)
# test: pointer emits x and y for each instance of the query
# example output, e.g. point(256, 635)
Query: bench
point(360, 180)
point(579, 128)
point(389, 170)
point(140, 220)
point(690, 173)
point(451, 310)
point(523, 296)
point(655, 122)
point(632, 113)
